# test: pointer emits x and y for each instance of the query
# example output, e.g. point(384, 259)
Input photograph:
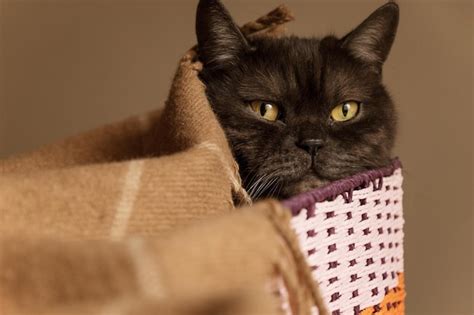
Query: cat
point(299, 112)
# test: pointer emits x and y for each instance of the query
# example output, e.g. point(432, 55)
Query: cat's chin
point(302, 185)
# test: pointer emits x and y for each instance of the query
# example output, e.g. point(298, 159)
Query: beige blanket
point(140, 217)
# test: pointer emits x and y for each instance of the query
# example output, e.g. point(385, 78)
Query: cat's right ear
point(220, 41)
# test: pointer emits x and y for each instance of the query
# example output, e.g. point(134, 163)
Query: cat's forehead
point(301, 70)
point(288, 62)
point(286, 49)
point(301, 56)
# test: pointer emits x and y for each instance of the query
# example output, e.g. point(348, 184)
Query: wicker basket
point(352, 234)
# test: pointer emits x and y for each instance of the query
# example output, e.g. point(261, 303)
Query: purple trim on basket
point(343, 187)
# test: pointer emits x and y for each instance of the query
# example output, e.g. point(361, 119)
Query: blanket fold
point(139, 217)
point(236, 256)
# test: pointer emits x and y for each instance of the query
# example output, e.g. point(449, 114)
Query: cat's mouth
point(313, 177)
point(308, 182)
point(287, 181)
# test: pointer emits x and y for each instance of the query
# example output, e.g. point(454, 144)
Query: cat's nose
point(310, 145)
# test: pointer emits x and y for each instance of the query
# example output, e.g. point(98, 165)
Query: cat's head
point(299, 112)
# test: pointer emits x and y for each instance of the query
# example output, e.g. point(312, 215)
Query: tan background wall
point(70, 65)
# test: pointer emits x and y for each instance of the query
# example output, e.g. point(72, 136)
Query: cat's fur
point(306, 77)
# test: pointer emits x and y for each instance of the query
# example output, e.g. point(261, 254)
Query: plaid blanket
point(139, 217)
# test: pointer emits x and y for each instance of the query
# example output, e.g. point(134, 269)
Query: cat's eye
point(345, 111)
point(267, 110)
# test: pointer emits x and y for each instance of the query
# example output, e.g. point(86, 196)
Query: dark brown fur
point(306, 78)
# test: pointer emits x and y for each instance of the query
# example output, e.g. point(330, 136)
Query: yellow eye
point(345, 111)
point(267, 110)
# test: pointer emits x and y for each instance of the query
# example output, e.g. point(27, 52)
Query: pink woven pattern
point(355, 245)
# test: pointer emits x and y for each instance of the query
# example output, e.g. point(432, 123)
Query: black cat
point(299, 112)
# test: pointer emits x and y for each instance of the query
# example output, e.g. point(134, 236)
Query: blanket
point(148, 216)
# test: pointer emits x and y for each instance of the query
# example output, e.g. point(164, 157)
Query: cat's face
point(299, 113)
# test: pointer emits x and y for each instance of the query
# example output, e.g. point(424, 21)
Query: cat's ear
point(220, 41)
point(372, 39)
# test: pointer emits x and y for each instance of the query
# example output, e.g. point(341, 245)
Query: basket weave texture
point(351, 232)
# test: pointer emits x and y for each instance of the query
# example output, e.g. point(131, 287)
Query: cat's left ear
point(372, 39)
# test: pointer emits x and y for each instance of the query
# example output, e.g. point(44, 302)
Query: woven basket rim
point(343, 187)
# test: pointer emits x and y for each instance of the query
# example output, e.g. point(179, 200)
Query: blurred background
point(70, 65)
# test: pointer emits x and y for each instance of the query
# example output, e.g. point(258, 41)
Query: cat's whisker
point(264, 186)
point(276, 186)
point(273, 187)
point(250, 177)
point(265, 183)
point(255, 186)
point(260, 187)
